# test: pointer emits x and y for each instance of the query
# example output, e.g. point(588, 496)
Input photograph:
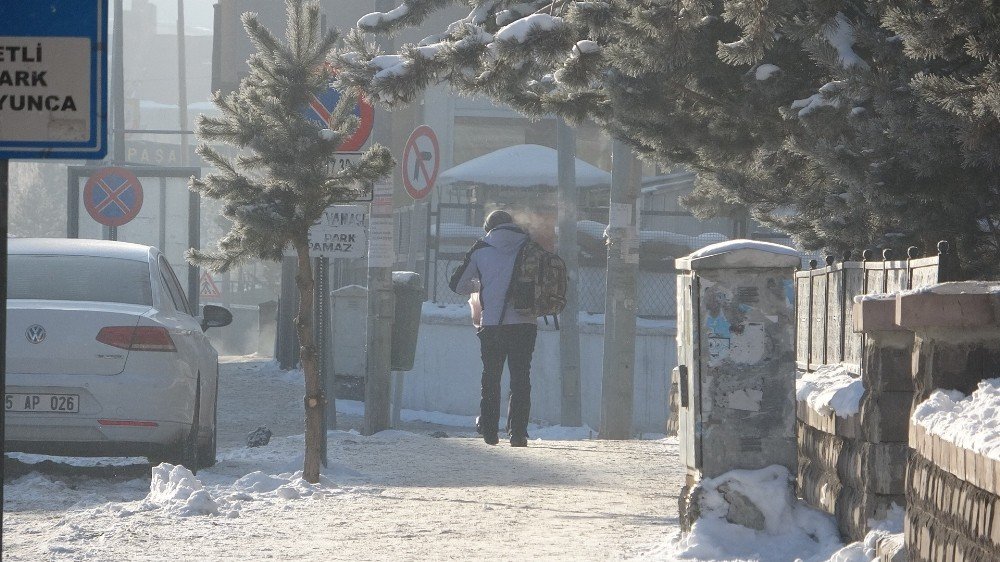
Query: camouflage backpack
point(538, 284)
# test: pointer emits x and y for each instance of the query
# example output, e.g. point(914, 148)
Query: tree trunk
point(314, 399)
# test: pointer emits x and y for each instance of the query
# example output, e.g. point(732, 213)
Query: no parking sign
point(421, 161)
point(113, 196)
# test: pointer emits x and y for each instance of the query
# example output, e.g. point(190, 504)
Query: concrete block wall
point(854, 467)
point(953, 493)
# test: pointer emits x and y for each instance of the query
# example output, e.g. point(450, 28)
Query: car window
point(78, 278)
point(174, 287)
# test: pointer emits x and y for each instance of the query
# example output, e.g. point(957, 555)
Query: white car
point(105, 356)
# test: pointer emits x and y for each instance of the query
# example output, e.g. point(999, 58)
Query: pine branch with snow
point(280, 183)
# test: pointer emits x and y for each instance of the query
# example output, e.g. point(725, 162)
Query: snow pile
point(831, 389)
point(791, 530)
point(287, 486)
point(881, 531)
point(970, 422)
point(175, 489)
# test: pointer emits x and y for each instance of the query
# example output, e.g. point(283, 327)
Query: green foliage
point(846, 124)
point(281, 182)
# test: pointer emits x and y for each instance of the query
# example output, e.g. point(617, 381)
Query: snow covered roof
point(521, 166)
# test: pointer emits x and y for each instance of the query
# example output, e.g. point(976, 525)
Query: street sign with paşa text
point(53, 79)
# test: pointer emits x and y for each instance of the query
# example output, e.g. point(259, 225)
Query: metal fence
point(665, 235)
point(824, 300)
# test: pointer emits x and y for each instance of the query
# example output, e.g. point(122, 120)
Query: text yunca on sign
point(53, 79)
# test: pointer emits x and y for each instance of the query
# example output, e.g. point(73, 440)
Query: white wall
point(446, 374)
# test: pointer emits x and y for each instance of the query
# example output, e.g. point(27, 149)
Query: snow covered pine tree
point(281, 182)
point(845, 124)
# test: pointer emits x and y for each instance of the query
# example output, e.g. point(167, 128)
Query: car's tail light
point(137, 338)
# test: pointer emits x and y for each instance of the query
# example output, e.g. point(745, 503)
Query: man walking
point(504, 334)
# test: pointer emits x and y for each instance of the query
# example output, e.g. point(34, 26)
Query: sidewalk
point(400, 495)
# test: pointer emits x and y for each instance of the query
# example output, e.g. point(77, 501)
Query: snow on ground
point(430, 490)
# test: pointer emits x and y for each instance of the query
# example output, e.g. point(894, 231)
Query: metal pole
point(321, 331)
point(569, 333)
point(381, 303)
point(182, 81)
point(620, 304)
point(118, 101)
point(4, 193)
point(286, 348)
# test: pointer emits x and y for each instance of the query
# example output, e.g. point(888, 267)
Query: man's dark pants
point(513, 343)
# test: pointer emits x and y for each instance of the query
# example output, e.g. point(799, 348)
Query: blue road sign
point(53, 79)
point(320, 110)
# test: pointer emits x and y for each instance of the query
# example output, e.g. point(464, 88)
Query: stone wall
point(946, 337)
point(952, 492)
point(854, 467)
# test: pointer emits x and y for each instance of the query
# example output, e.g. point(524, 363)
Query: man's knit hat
point(496, 218)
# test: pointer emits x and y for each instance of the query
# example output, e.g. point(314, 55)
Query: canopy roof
point(522, 166)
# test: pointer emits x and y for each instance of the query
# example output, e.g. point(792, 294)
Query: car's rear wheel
point(208, 452)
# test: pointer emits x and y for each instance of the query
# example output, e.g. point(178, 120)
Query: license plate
point(61, 403)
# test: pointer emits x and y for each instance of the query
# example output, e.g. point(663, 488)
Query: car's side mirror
point(214, 316)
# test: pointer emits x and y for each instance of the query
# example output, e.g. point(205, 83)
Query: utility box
point(408, 288)
point(349, 307)
point(736, 356)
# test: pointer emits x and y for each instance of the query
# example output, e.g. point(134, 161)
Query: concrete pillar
point(956, 335)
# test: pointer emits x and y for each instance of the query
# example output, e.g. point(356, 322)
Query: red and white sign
point(421, 161)
point(113, 196)
point(207, 286)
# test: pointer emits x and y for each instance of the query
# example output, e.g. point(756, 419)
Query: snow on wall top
point(524, 166)
point(830, 389)
point(743, 244)
point(741, 254)
point(970, 421)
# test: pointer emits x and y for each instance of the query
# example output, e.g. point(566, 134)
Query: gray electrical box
point(736, 356)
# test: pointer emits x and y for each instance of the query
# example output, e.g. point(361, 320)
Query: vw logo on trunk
point(35, 334)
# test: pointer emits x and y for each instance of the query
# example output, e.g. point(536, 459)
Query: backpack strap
point(457, 275)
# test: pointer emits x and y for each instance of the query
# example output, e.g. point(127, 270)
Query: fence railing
point(824, 300)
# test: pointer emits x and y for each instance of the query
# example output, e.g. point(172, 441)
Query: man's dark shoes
point(518, 440)
point(491, 439)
